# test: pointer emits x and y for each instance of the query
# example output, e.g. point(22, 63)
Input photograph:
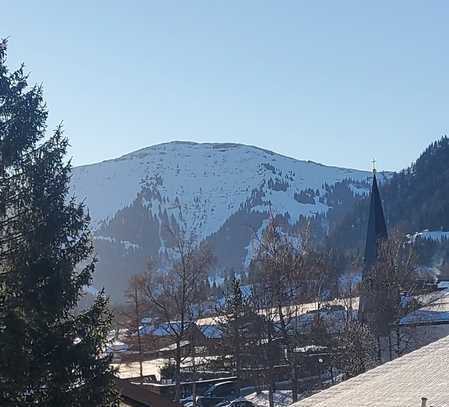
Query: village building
point(413, 331)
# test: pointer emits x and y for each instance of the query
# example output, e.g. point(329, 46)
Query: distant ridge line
point(217, 146)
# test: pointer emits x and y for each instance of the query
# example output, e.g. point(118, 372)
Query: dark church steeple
point(376, 233)
point(377, 229)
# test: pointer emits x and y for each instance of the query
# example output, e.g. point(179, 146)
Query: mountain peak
point(179, 144)
point(221, 187)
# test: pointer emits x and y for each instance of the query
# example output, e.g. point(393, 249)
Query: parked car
point(236, 403)
point(187, 401)
point(219, 393)
point(200, 390)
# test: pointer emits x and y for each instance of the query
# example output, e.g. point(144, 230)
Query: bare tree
point(265, 346)
point(176, 294)
point(287, 267)
point(356, 351)
point(390, 287)
point(137, 307)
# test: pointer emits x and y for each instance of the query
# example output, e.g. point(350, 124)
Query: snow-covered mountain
point(225, 193)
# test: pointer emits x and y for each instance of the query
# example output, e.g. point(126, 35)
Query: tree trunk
point(194, 393)
point(194, 379)
point(390, 346)
point(379, 349)
point(294, 383)
point(271, 391)
point(139, 344)
point(178, 370)
point(238, 364)
point(139, 339)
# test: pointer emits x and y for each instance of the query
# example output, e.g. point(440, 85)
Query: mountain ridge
point(219, 186)
point(221, 145)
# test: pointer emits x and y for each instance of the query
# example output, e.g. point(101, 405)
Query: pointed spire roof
point(377, 229)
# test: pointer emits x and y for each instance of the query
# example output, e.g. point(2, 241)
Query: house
point(167, 329)
point(405, 381)
point(211, 331)
point(426, 324)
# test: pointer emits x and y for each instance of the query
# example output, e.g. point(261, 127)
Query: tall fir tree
point(51, 353)
point(235, 316)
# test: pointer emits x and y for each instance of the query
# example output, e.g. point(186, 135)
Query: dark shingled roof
point(141, 396)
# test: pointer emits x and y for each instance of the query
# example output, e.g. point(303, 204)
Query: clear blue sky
point(338, 82)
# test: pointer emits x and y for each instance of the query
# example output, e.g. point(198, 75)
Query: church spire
point(377, 229)
point(376, 232)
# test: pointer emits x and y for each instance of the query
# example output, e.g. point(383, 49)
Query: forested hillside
point(415, 199)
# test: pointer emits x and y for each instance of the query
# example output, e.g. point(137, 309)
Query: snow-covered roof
point(400, 383)
point(164, 329)
point(437, 235)
point(211, 331)
point(299, 309)
point(309, 348)
point(443, 285)
point(436, 311)
point(147, 320)
point(173, 346)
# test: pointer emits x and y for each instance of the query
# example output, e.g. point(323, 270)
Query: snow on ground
point(436, 235)
point(254, 243)
point(125, 243)
point(89, 289)
point(281, 398)
point(359, 191)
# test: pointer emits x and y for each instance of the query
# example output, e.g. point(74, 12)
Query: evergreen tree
point(51, 354)
point(235, 317)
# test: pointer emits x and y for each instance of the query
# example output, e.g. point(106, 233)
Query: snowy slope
point(217, 186)
point(210, 180)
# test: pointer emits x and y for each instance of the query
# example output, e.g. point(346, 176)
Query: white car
point(241, 402)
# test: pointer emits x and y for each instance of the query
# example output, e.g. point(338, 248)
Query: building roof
point(211, 331)
point(298, 309)
point(436, 311)
point(173, 346)
point(165, 328)
point(400, 383)
point(139, 395)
